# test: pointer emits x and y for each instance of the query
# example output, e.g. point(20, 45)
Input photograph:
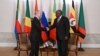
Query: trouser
point(62, 47)
point(34, 48)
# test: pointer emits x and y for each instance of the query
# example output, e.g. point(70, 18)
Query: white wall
point(8, 13)
point(92, 16)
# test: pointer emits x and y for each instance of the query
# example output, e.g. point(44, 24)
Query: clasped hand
point(47, 28)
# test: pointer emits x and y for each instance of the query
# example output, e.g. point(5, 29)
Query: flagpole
point(59, 7)
point(16, 48)
point(77, 34)
point(80, 48)
point(80, 44)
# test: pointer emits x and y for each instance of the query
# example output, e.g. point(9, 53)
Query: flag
point(44, 20)
point(64, 8)
point(18, 28)
point(53, 13)
point(53, 34)
point(72, 18)
point(53, 31)
point(36, 7)
point(81, 24)
point(59, 5)
point(44, 24)
point(27, 25)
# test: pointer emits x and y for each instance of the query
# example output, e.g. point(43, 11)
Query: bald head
point(38, 14)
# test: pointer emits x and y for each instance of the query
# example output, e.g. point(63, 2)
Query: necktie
point(58, 20)
point(41, 24)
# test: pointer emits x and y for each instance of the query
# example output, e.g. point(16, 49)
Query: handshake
point(47, 28)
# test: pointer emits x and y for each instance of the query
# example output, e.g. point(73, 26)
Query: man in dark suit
point(35, 35)
point(61, 23)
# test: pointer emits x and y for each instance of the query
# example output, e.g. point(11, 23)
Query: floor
point(10, 52)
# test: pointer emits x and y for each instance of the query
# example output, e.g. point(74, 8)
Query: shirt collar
point(60, 17)
point(37, 17)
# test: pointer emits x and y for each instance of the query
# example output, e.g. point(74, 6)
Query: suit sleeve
point(67, 25)
point(37, 24)
point(54, 25)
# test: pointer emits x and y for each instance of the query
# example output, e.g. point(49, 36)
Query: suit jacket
point(36, 29)
point(62, 28)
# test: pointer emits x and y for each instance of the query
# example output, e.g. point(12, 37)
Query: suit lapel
point(59, 21)
point(38, 21)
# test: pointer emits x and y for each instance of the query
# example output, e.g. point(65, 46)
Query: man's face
point(58, 14)
point(38, 14)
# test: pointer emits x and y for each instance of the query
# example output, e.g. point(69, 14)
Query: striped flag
point(72, 18)
point(53, 31)
point(81, 24)
point(59, 5)
point(27, 25)
point(64, 8)
point(53, 13)
point(36, 7)
point(44, 24)
point(18, 27)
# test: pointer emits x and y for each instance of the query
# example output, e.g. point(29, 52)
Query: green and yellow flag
point(53, 13)
point(27, 25)
point(53, 31)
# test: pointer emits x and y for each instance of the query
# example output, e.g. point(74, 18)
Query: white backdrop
point(8, 12)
